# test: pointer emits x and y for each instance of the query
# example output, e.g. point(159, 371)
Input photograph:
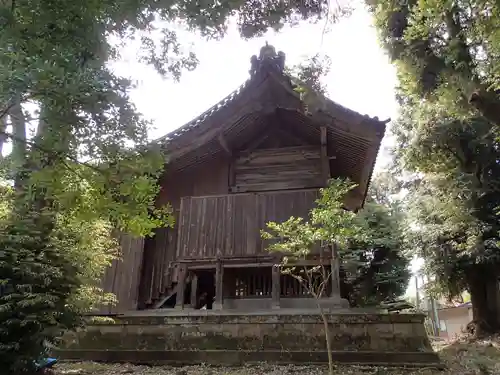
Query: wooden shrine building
point(259, 155)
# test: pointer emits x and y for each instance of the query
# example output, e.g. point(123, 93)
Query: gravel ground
point(463, 357)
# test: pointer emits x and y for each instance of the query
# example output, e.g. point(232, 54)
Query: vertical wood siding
point(122, 278)
point(160, 251)
point(230, 225)
point(223, 223)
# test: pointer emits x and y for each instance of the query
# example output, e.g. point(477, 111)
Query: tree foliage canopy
point(447, 55)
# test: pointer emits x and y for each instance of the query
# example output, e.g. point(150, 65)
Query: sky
point(361, 77)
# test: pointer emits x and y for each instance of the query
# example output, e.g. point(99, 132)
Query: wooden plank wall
point(159, 252)
point(208, 178)
point(123, 277)
point(279, 169)
point(230, 225)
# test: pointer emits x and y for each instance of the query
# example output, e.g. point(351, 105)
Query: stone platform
point(234, 338)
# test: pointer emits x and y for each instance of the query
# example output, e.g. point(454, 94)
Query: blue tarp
point(46, 363)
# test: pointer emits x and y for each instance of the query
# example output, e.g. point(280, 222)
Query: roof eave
point(374, 162)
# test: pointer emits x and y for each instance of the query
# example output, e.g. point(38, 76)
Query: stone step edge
point(239, 357)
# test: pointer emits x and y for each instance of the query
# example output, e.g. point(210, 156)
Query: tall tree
point(445, 46)
point(53, 56)
point(382, 264)
point(447, 54)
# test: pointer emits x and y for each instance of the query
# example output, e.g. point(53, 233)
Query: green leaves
point(446, 55)
point(369, 244)
point(329, 223)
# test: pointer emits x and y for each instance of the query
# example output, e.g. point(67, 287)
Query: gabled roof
point(170, 137)
point(270, 93)
point(269, 65)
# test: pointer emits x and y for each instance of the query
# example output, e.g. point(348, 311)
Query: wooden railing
point(230, 225)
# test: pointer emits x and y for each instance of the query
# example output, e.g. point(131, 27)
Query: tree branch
point(4, 112)
point(60, 156)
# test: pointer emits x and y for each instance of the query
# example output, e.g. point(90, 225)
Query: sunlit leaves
point(329, 223)
point(369, 244)
point(444, 52)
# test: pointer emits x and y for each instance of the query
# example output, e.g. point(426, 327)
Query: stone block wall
point(350, 332)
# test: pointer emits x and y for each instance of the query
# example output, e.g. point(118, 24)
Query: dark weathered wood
point(367, 171)
point(230, 225)
point(254, 144)
point(219, 279)
point(335, 268)
point(325, 162)
point(278, 169)
point(276, 288)
point(260, 260)
point(231, 175)
point(280, 155)
point(224, 145)
point(276, 186)
point(194, 290)
point(181, 286)
point(122, 278)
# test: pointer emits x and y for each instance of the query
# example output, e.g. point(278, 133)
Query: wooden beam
point(366, 173)
point(325, 162)
point(266, 193)
point(255, 143)
point(224, 145)
point(365, 128)
point(182, 286)
point(219, 276)
point(334, 264)
point(194, 290)
point(246, 261)
point(276, 287)
point(183, 205)
point(231, 176)
point(278, 186)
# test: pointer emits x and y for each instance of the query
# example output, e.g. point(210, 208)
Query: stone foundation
point(263, 304)
point(233, 338)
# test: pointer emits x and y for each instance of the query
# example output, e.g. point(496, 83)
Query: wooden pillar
point(231, 179)
point(325, 162)
point(194, 290)
point(181, 286)
point(276, 287)
point(334, 263)
point(219, 276)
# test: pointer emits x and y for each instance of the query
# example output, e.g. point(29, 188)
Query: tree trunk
point(485, 299)
point(487, 102)
point(3, 137)
point(18, 143)
point(328, 340)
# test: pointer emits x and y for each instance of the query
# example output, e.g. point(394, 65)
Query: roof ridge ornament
point(267, 61)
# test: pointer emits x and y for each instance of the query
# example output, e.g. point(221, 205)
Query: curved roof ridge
point(203, 116)
point(269, 63)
